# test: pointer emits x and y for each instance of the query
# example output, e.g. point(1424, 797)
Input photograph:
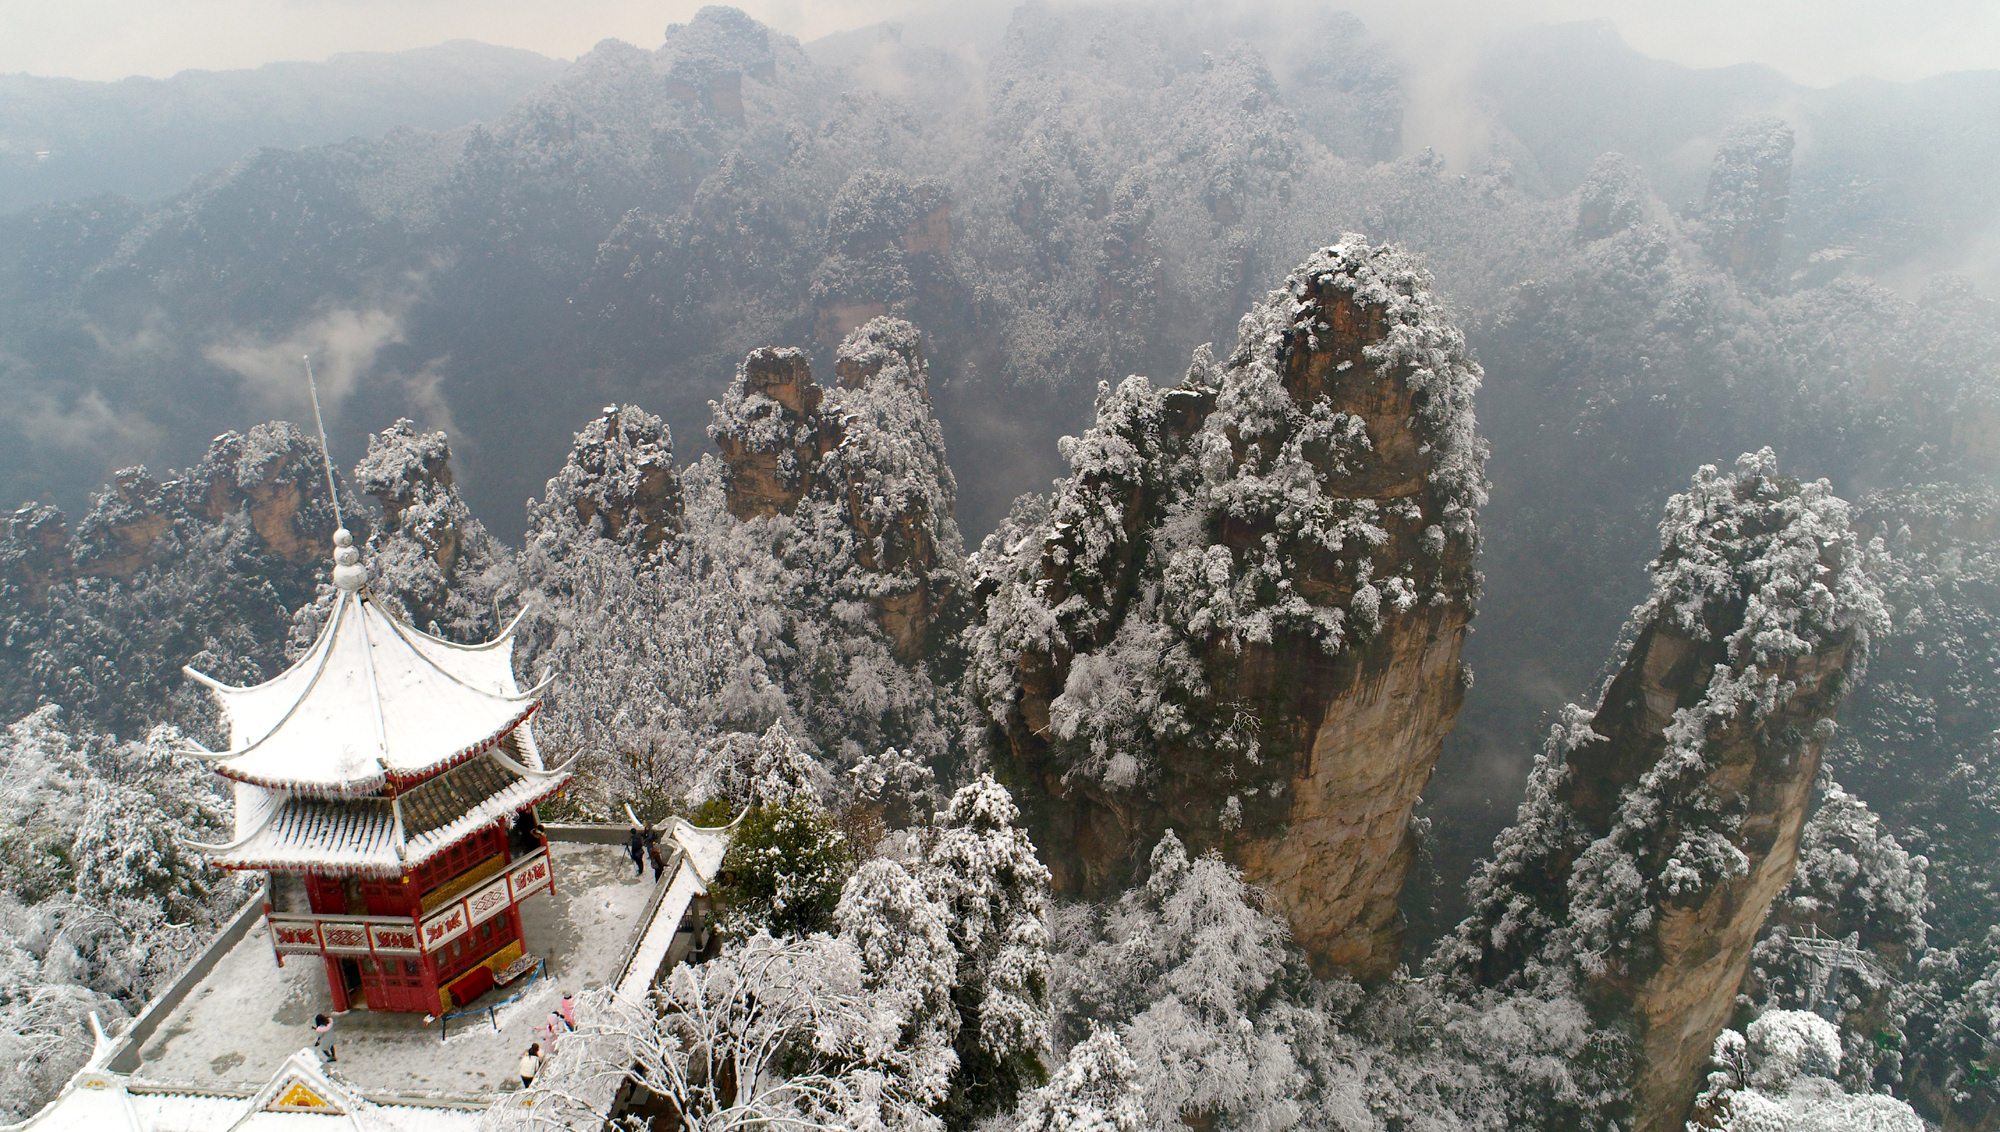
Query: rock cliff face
point(861, 471)
point(887, 242)
point(1749, 197)
point(620, 480)
point(1660, 826)
point(775, 434)
point(1240, 617)
point(432, 557)
point(35, 552)
point(272, 477)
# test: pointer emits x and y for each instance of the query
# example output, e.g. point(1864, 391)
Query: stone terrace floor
point(235, 1029)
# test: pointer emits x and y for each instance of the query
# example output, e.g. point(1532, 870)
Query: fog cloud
point(86, 425)
point(1817, 42)
point(345, 345)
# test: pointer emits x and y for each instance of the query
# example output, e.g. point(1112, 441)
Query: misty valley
point(1074, 577)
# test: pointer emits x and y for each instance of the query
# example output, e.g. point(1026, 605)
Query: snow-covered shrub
point(786, 866)
point(1778, 1075)
point(1098, 1089)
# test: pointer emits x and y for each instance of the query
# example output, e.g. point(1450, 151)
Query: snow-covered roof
point(276, 830)
point(301, 1095)
point(705, 847)
point(374, 700)
point(702, 852)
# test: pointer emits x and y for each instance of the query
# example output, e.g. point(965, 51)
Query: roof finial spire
point(348, 572)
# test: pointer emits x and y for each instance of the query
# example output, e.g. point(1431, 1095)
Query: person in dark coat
point(636, 846)
point(323, 1038)
point(659, 859)
point(526, 828)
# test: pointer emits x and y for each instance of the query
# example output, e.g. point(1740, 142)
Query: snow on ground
point(249, 1015)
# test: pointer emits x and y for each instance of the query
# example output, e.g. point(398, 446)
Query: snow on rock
point(619, 481)
point(1661, 825)
point(1241, 613)
point(860, 469)
point(434, 559)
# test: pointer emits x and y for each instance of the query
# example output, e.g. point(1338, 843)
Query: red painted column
point(335, 984)
point(431, 981)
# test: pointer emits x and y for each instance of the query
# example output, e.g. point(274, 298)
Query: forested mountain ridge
point(65, 139)
point(741, 633)
point(702, 228)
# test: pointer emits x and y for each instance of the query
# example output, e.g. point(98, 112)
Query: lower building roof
point(282, 832)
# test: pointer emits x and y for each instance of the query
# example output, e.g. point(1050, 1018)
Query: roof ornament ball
point(349, 574)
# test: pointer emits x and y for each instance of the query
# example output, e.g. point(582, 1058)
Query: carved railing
point(405, 936)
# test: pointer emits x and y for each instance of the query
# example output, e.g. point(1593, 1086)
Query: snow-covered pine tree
point(1190, 971)
point(982, 870)
point(1098, 1089)
point(908, 962)
point(99, 901)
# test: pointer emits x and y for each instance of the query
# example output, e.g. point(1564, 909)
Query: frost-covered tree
point(657, 658)
point(1918, 740)
point(787, 864)
point(769, 770)
point(1098, 1089)
point(909, 964)
point(1230, 1029)
point(983, 872)
point(1185, 967)
point(768, 1034)
point(1955, 1034)
point(1778, 1074)
point(99, 899)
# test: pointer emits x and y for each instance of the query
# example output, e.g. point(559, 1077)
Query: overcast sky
point(1814, 41)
